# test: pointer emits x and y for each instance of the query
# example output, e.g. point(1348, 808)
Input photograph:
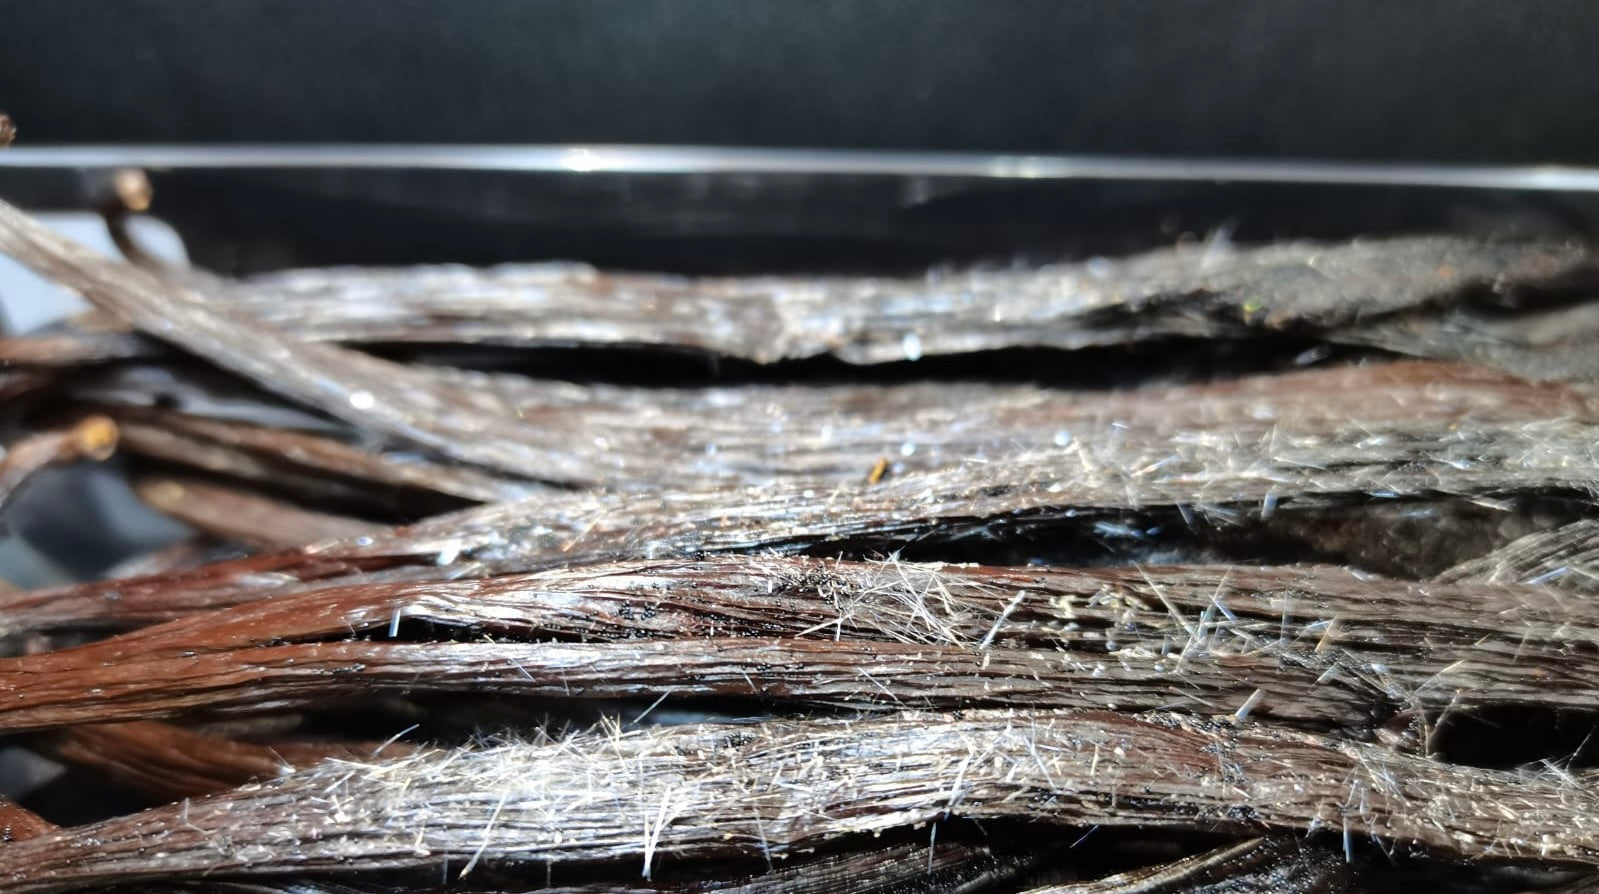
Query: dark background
point(1381, 79)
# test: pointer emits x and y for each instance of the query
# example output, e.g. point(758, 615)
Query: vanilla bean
point(889, 601)
point(15, 383)
point(726, 790)
point(171, 762)
point(795, 671)
point(1279, 865)
point(264, 454)
point(1567, 557)
point(696, 437)
point(18, 823)
point(184, 554)
point(244, 517)
point(170, 445)
point(372, 394)
point(1318, 647)
point(1540, 341)
point(1164, 293)
point(73, 348)
point(955, 866)
point(1404, 295)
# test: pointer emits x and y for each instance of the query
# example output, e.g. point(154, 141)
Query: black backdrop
point(1455, 80)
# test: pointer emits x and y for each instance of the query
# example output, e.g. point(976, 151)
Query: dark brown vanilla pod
point(640, 438)
point(1278, 865)
point(1315, 647)
point(73, 347)
point(16, 383)
point(243, 517)
point(402, 490)
point(172, 763)
point(189, 553)
point(370, 393)
point(1542, 340)
point(871, 675)
point(18, 823)
point(705, 791)
point(270, 454)
point(1443, 297)
point(1164, 293)
point(1566, 557)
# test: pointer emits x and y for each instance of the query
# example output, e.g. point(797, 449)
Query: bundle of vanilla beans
point(1212, 569)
